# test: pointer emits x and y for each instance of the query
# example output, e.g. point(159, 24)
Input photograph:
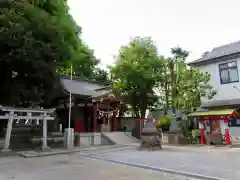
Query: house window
point(228, 72)
point(234, 122)
point(238, 121)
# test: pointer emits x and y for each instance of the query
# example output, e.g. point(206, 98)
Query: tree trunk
point(173, 93)
point(166, 96)
point(143, 106)
point(6, 80)
point(136, 112)
point(143, 113)
point(171, 67)
point(122, 110)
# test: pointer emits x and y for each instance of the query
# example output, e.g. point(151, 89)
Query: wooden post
point(75, 115)
point(94, 117)
point(86, 118)
point(140, 126)
point(9, 132)
point(114, 122)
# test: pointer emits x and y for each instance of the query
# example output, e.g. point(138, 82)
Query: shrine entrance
point(105, 120)
point(93, 106)
point(20, 126)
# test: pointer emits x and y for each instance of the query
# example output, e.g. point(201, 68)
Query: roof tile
point(82, 87)
point(220, 51)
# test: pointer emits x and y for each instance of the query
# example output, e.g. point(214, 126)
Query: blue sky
point(195, 25)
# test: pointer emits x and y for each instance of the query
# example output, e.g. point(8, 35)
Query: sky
point(195, 25)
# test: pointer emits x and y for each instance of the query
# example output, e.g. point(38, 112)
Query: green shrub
point(164, 122)
point(184, 127)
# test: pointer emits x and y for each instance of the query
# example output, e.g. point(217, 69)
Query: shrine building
point(93, 107)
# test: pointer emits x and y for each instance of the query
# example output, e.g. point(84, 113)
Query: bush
point(164, 122)
point(184, 125)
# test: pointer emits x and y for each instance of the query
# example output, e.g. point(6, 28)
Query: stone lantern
point(150, 136)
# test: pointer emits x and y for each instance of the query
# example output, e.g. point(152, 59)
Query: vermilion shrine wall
point(87, 119)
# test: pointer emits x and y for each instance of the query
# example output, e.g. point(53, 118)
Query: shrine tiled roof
point(221, 103)
point(84, 87)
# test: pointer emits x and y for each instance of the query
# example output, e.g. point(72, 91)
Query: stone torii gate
point(29, 114)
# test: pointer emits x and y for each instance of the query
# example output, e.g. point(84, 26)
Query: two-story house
point(223, 63)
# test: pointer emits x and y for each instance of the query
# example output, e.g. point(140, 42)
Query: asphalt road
point(222, 165)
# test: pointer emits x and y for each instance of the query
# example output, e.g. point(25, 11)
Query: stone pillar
point(202, 137)
point(94, 117)
point(8, 132)
point(44, 143)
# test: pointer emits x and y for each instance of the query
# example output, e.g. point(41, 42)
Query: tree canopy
point(144, 79)
point(37, 38)
point(184, 86)
point(82, 57)
point(137, 71)
point(101, 75)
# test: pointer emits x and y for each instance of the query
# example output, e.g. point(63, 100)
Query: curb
point(227, 148)
point(105, 152)
point(68, 152)
point(132, 137)
point(163, 170)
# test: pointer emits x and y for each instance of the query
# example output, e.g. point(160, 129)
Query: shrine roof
point(221, 103)
point(83, 87)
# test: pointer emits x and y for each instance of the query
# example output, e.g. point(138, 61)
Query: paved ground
point(217, 164)
point(73, 167)
point(97, 164)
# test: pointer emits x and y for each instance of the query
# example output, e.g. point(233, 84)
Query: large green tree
point(82, 58)
point(184, 86)
point(137, 71)
point(101, 75)
point(83, 64)
point(36, 38)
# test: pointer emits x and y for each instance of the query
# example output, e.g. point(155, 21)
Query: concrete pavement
point(213, 164)
point(98, 163)
point(73, 167)
point(205, 148)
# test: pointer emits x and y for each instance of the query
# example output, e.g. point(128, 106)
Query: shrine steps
point(120, 138)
